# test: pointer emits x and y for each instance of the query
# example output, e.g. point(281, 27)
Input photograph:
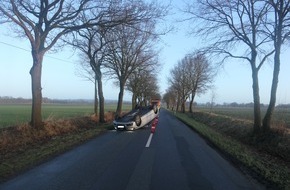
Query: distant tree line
point(223, 105)
point(11, 100)
point(241, 105)
point(233, 105)
point(19, 100)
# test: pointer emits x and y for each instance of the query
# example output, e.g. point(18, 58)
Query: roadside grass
point(273, 171)
point(23, 147)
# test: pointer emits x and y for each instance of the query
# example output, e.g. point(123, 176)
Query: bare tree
point(91, 45)
point(180, 81)
point(43, 23)
point(192, 75)
point(230, 24)
point(130, 50)
point(278, 29)
point(93, 41)
point(201, 75)
point(170, 98)
point(143, 86)
point(133, 46)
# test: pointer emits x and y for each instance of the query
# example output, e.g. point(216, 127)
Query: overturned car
point(136, 118)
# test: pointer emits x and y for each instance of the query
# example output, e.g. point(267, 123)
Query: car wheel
point(155, 109)
point(137, 120)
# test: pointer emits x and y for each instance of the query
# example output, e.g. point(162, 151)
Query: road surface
point(174, 158)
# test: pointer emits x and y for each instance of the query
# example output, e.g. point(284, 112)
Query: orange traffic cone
point(154, 125)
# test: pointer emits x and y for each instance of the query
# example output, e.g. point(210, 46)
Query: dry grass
point(276, 143)
point(13, 138)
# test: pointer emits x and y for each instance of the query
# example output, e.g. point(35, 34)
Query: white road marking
point(149, 140)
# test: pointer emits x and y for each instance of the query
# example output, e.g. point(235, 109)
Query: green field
point(280, 114)
point(16, 114)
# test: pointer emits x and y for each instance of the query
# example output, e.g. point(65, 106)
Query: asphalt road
point(177, 158)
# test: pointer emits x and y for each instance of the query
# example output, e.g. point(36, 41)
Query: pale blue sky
point(233, 83)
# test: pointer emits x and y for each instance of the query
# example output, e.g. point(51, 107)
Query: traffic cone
point(154, 125)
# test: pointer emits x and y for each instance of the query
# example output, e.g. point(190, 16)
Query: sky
point(60, 81)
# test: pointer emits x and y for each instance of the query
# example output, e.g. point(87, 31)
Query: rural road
point(177, 158)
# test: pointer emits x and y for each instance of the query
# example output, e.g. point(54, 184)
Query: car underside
point(136, 118)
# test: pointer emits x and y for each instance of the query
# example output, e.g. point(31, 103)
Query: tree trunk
point(190, 105)
point(35, 72)
point(183, 105)
point(178, 103)
point(102, 101)
point(120, 100)
point(268, 116)
point(167, 105)
point(96, 106)
point(134, 102)
point(256, 97)
point(191, 102)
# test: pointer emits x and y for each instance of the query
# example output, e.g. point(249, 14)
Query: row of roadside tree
point(251, 31)
point(192, 75)
point(115, 38)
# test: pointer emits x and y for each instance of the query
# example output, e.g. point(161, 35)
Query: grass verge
point(274, 172)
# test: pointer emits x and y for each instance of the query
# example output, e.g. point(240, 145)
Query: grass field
point(281, 115)
point(17, 114)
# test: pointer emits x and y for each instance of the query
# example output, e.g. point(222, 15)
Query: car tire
point(155, 109)
point(137, 120)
